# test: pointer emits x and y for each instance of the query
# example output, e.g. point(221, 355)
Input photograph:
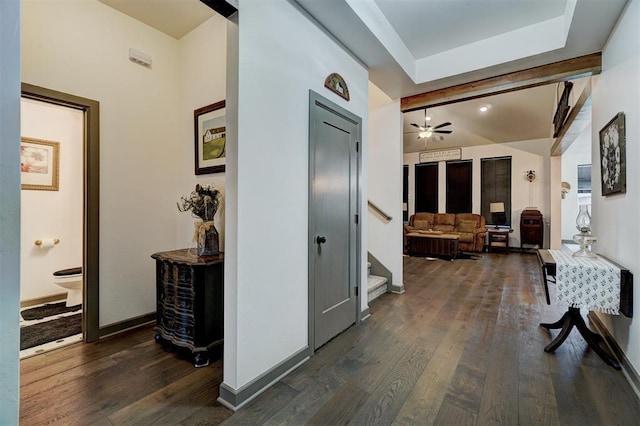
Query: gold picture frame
point(39, 164)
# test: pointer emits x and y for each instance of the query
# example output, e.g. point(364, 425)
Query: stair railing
point(379, 211)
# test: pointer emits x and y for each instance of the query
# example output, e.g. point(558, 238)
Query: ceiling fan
point(427, 131)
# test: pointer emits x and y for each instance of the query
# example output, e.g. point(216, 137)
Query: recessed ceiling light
point(427, 118)
point(485, 108)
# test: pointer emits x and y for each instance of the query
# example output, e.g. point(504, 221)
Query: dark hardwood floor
point(461, 346)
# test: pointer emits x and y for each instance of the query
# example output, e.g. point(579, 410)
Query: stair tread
point(374, 281)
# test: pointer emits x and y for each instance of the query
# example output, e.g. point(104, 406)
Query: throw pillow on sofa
point(443, 228)
point(422, 224)
point(466, 226)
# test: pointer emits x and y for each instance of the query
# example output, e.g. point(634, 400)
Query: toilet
point(71, 280)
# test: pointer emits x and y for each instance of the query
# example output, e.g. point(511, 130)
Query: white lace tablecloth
point(583, 282)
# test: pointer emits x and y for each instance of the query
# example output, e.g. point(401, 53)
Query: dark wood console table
point(190, 302)
point(573, 317)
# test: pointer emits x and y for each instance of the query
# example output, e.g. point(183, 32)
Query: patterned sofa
point(470, 226)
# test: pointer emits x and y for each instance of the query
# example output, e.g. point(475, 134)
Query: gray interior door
point(334, 135)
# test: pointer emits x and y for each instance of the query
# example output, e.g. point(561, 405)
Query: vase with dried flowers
point(203, 202)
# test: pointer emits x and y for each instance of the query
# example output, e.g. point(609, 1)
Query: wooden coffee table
point(432, 244)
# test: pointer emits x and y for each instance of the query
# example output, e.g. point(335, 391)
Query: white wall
point(578, 153)
point(52, 214)
point(615, 217)
point(276, 71)
point(385, 185)
point(526, 155)
point(202, 58)
point(554, 219)
point(146, 129)
point(9, 211)
point(82, 48)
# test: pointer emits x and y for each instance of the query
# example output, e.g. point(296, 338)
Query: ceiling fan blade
point(442, 125)
point(419, 127)
point(443, 131)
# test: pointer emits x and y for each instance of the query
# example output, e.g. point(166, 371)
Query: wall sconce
point(565, 188)
point(531, 175)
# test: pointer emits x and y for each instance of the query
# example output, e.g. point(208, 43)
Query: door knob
point(320, 239)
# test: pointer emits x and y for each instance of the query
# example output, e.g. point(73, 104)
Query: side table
point(190, 302)
point(499, 239)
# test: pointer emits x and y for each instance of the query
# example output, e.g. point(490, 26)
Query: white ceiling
point(515, 116)
point(415, 46)
point(472, 20)
point(173, 17)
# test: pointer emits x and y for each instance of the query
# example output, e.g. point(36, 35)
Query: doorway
point(91, 197)
point(334, 137)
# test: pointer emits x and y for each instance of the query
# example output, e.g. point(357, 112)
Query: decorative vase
point(206, 238)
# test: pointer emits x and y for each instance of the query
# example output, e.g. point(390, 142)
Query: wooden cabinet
point(189, 302)
point(531, 229)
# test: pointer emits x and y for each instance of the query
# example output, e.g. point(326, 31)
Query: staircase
point(375, 285)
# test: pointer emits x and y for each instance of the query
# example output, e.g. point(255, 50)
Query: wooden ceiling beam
point(569, 69)
point(579, 117)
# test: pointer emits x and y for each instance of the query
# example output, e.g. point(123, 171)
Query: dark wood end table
point(499, 239)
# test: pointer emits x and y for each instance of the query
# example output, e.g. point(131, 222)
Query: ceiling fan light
point(425, 134)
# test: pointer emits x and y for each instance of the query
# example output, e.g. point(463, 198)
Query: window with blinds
point(584, 178)
point(459, 186)
point(495, 187)
point(426, 188)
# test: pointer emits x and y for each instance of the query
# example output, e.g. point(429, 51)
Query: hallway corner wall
point(615, 216)
point(270, 277)
point(384, 186)
point(9, 211)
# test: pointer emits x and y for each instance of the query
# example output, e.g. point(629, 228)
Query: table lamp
point(498, 217)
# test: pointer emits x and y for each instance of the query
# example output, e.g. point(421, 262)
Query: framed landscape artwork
point(613, 156)
point(39, 164)
point(210, 138)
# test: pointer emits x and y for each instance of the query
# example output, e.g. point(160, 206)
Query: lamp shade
point(496, 207)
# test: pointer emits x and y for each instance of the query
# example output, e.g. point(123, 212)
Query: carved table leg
point(572, 318)
point(566, 325)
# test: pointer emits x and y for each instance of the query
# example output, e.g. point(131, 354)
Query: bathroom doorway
point(59, 215)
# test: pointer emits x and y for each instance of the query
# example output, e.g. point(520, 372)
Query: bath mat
point(50, 331)
point(48, 310)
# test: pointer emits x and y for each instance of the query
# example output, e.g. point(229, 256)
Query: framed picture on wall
point(210, 138)
point(613, 156)
point(39, 164)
